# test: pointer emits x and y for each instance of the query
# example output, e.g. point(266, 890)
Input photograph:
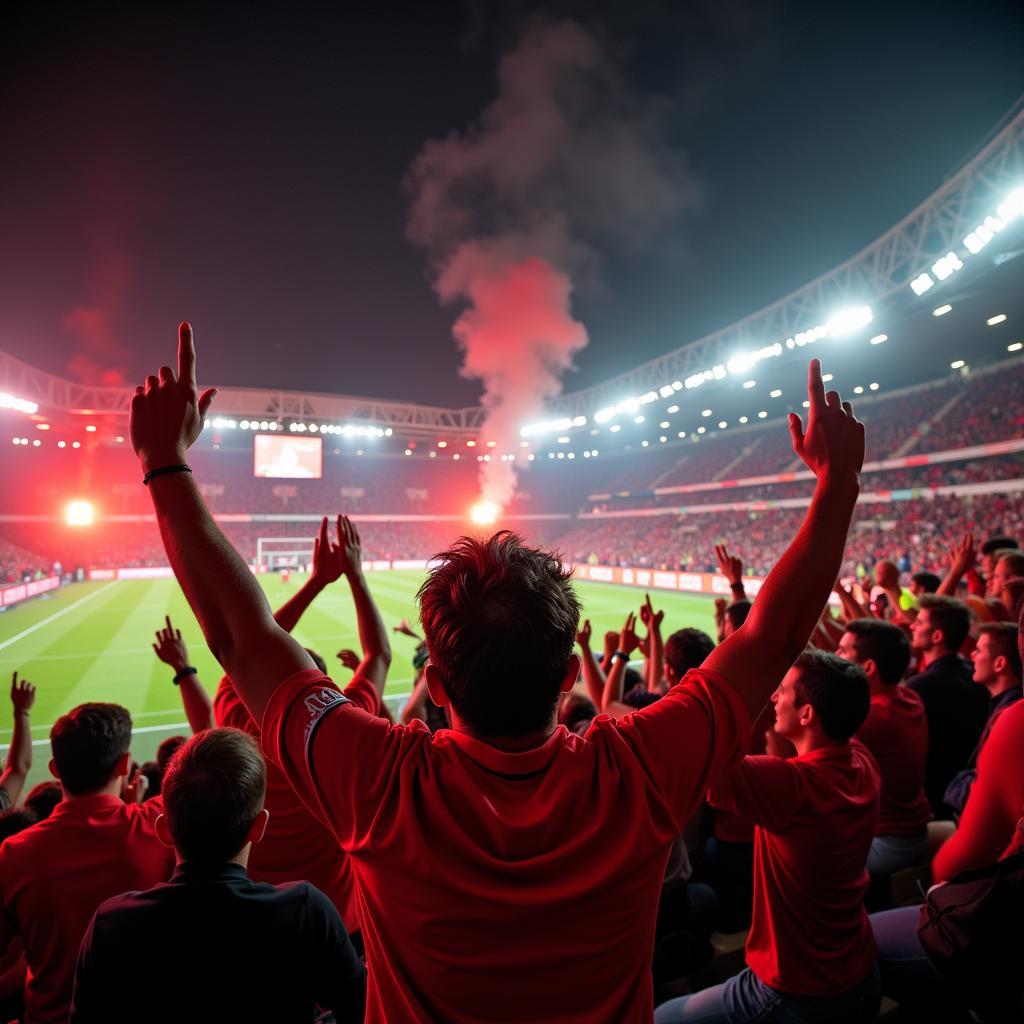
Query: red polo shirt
point(896, 733)
point(296, 846)
point(55, 874)
point(815, 818)
point(507, 886)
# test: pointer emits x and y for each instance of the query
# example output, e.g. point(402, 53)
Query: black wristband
point(737, 586)
point(179, 468)
point(620, 654)
point(189, 671)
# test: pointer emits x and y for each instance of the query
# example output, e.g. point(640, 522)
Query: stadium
point(639, 483)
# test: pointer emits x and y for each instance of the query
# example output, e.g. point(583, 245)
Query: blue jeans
point(891, 853)
point(746, 998)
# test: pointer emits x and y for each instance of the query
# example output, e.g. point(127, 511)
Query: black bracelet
point(179, 468)
point(620, 654)
point(190, 671)
point(737, 586)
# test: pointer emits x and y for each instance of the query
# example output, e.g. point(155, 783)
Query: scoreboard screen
point(289, 458)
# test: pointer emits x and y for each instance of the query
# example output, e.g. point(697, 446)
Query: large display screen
point(291, 458)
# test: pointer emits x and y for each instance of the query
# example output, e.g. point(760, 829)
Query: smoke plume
point(567, 158)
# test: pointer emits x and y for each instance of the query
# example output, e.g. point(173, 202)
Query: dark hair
point(43, 797)
point(16, 820)
point(500, 620)
point(737, 613)
point(994, 544)
point(1014, 559)
point(154, 778)
point(167, 750)
point(87, 743)
point(927, 581)
point(317, 660)
point(686, 649)
point(575, 709)
point(837, 690)
point(213, 790)
point(1004, 638)
point(948, 615)
point(885, 644)
point(630, 679)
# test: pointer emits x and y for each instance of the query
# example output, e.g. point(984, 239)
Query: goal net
point(274, 553)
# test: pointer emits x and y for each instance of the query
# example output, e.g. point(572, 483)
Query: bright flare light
point(79, 513)
point(485, 512)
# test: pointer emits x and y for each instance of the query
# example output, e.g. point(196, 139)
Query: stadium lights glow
point(62, 444)
point(848, 321)
point(79, 513)
point(763, 414)
point(76, 444)
point(682, 433)
point(36, 443)
point(702, 430)
point(947, 266)
point(639, 419)
point(942, 310)
point(484, 512)
point(571, 455)
point(615, 428)
point(408, 451)
point(859, 389)
point(666, 391)
point(743, 419)
point(664, 424)
point(564, 439)
point(775, 393)
point(17, 404)
point(722, 424)
point(957, 364)
point(549, 426)
point(672, 409)
point(997, 319)
point(119, 439)
point(644, 444)
point(878, 339)
point(42, 426)
point(750, 384)
point(921, 284)
point(873, 386)
point(826, 377)
point(705, 412)
point(1015, 346)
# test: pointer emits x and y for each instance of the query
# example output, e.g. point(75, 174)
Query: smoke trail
point(566, 157)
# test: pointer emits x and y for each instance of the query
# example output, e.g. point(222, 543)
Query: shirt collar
point(80, 805)
point(503, 762)
point(192, 872)
point(1004, 699)
point(840, 750)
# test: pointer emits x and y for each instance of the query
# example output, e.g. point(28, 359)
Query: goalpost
point(273, 553)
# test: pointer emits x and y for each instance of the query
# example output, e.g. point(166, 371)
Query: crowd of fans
point(545, 835)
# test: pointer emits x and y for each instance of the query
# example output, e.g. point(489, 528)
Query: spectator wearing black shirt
point(235, 949)
point(955, 706)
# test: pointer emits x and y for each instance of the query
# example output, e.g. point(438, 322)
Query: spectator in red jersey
point(297, 844)
point(54, 875)
point(896, 733)
point(468, 845)
point(810, 951)
point(954, 705)
point(997, 667)
point(19, 754)
point(279, 951)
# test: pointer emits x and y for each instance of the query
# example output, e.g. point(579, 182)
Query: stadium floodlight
point(705, 413)
point(743, 419)
point(921, 284)
point(763, 414)
point(682, 433)
point(873, 386)
point(666, 391)
point(1013, 205)
point(848, 321)
point(775, 393)
point(648, 397)
point(79, 513)
point(547, 426)
point(748, 384)
point(1015, 346)
point(997, 319)
point(62, 444)
point(17, 404)
point(570, 455)
point(942, 310)
point(579, 421)
point(564, 439)
point(644, 444)
point(639, 419)
point(722, 424)
point(946, 266)
point(662, 439)
point(664, 424)
point(672, 409)
point(677, 385)
point(702, 430)
point(859, 389)
point(957, 364)
point(878, 339)
point(603, 415)
point(615, 428)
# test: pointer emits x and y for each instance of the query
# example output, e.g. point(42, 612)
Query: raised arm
point(593, 677)
point(655, 668)
point(373, 634)
point(962, 557)
point(756, 657)
point(731, 567)
point(232, 610)
point(19, 756)
point(171, 650)
point(611, 699)
point(326, 569)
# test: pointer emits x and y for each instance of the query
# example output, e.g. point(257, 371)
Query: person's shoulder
point(1010, 720)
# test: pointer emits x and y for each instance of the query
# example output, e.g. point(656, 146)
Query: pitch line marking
point(56, 615)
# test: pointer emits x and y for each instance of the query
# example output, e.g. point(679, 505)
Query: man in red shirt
point(93, 846)
point(810, 952)
point(296, 845)
point(506, 870)
point(896, 733)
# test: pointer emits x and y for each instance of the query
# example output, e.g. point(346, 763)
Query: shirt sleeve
point(339, 973)
point(763, 789)
point(994, 804)
point(340, 758)
point(697, 731)
point(228, 709)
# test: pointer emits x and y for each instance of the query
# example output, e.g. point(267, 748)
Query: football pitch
point(92, 642)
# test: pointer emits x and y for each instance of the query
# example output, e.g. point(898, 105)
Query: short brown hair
point(87, 743)
point(1004, 640)
point(952, 618)
point(1013, 558)
point(213, 790)
point(500, 621)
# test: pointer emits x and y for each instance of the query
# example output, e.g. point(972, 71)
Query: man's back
point(507, 886)
point(896, 733)
point(956, 708)
point(214, 945)
point(54, 875)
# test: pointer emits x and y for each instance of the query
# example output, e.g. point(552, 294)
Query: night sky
point(244, 170)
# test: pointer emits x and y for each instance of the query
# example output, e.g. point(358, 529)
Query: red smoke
point(98, 350)
point(518, 337)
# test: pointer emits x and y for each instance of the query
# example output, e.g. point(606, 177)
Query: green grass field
point(91, 641)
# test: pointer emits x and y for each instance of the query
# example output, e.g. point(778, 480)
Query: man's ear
point(999, 664)
point(438, 694)
point(163, 830)
point(259, 826)
point(53, 769)
point(870, 667)
point(807, 716)
point(572, 673)
point(124, 764)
